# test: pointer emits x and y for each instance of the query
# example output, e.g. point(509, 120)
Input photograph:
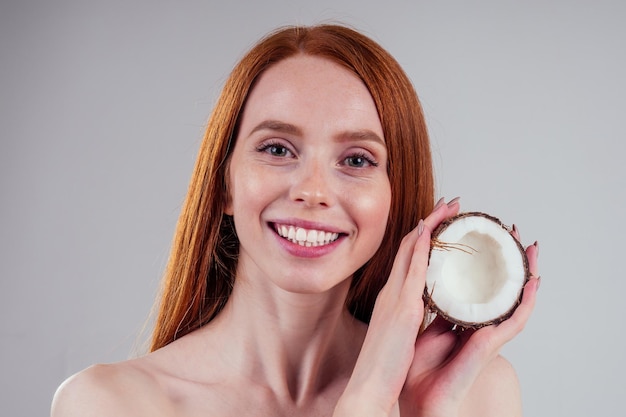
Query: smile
point(305, 237)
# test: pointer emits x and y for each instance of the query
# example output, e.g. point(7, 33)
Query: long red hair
point(201, 268)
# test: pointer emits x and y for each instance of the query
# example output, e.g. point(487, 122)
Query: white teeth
point(306, 237)
point(311, 237)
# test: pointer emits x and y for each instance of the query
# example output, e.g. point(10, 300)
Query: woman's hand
point(447, 363)
point(429, 375)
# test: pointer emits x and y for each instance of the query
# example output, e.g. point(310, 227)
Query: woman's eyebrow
point(277, 126)
point(345, 136)
point(361, 135)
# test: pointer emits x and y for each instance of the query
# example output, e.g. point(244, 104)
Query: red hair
point(200, 272)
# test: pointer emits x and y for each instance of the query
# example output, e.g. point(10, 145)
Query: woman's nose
point(312, 185)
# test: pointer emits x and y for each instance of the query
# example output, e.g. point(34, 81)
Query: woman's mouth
point(305, 237)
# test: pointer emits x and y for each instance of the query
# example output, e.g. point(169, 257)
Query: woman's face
point(308, 181)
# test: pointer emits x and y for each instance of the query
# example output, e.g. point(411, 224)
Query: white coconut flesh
point(476, 272)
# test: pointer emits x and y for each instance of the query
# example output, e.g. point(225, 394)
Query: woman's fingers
point(532, 253)
point(433, 347)
point(401, 265)
point(409, 253)
point(515, 233)
point(515, 324)
point(509, 328)
point(413, 286)
point(442, 211)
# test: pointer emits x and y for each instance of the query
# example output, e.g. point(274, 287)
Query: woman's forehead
point(305, 90)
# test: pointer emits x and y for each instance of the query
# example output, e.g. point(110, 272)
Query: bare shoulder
point(121, 389)
point(496, 392)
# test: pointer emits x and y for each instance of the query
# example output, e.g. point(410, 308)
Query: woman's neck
point(298, 345)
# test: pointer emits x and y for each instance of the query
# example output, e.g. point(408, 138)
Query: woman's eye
point(359, 161)
point(275, 149)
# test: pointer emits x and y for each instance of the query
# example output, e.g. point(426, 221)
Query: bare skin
point(160, 384)
point(285, 345)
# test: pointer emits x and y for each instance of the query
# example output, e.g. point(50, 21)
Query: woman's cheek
point(373, 205)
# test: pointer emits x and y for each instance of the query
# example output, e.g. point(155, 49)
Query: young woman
point(295, 279)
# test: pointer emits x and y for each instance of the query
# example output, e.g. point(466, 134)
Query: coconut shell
point(436, 243)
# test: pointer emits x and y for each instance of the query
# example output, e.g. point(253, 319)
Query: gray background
point(102, 107)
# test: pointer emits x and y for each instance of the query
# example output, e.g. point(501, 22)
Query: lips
point(305, 237)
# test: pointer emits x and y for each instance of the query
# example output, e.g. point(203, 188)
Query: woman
point(295, 279)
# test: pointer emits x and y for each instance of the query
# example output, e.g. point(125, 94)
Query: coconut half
point(477, 271)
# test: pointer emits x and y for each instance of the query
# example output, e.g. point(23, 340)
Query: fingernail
point(536, 244)
point(514, 228)
point(439, 203)
point(454, 201)
point(420, 227)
